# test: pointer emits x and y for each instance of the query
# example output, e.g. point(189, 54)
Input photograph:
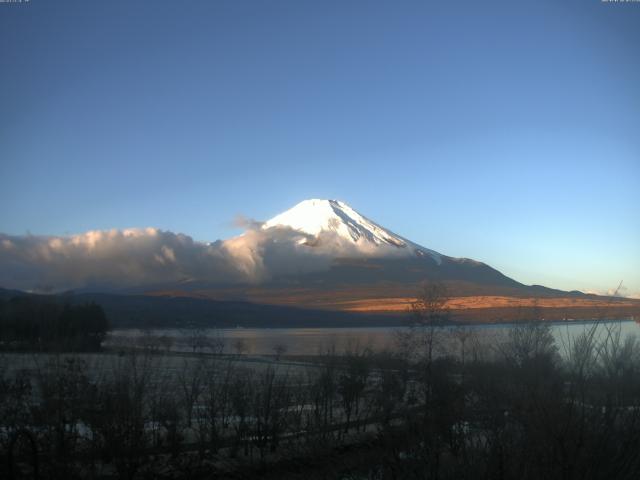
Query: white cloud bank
point(104, 258)
point(149, 256)
point(621, 291)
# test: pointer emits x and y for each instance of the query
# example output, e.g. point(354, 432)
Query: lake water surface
point(310, 341)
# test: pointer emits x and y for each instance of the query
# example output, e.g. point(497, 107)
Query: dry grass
point(395, 299)
point(474, 302)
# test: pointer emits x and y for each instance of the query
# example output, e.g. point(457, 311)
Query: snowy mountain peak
point(316, 216)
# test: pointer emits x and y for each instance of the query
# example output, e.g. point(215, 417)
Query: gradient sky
point(508, 132)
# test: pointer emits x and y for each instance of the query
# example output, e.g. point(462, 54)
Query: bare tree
point(192, 384)
point(530, 341)
point(352, 382)
point(120, 410)
point(167, 342)
point(217, 342)
point(240, 400)
point(463, 335)
point(429, 313)
point(217, 402)
point(270, 397)
point(240, 346)
point(279, 349)
point(62, 383)
point(198, 340)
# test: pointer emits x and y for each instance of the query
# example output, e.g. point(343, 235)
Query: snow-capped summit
point(315, 217)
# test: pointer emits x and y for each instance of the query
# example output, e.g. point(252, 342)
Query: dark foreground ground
point(524, 407)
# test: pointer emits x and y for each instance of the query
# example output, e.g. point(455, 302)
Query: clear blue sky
point(504, 131)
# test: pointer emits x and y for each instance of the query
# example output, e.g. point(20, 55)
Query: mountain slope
point(378, 255)
point(333, 252)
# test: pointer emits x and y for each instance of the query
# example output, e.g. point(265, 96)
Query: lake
point(310, 341)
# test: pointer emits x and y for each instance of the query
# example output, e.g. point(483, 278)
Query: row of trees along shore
point(41, 323)
point(446, 403)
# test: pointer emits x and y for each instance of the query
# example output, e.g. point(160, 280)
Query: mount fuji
point(321, 217)
point(323, 253)
point(354, 242)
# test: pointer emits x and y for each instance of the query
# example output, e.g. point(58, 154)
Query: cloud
point(621, 291)
point(109, 258)
point(240, 221)
point(149, 256)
